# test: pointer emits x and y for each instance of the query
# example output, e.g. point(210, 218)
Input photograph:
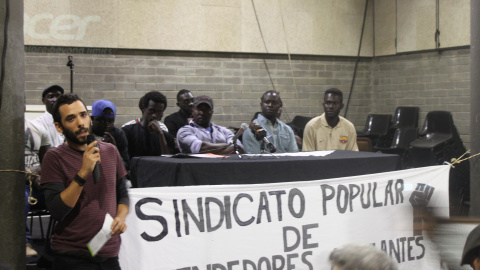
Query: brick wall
point(431, 81)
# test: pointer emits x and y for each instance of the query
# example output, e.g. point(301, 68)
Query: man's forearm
point(71, 194)
point(122, 210)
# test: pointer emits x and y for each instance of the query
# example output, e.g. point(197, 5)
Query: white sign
point(291, 225)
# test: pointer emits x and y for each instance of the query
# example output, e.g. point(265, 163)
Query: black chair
point(377, 124)
point(405, 117)
point(401, 141)
point(376, 127)
point(298, 124)
point(438, 129)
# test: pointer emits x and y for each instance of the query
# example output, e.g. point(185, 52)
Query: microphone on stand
point(239, 133)
point(261, 135)
point(96, 170)
point(270, 145)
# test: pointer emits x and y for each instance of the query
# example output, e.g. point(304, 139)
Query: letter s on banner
point(160, 219)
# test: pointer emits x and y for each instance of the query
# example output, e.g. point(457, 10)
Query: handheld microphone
point(96, 170)
point(239, 133)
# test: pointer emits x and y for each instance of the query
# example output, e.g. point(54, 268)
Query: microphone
point(261, 135)
point(96, 170)
point(239, 133)
point(269, 145)
point(258, 131)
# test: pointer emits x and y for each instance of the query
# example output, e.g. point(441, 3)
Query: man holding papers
point(76, 198)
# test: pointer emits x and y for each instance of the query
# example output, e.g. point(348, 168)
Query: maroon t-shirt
point(83, 222)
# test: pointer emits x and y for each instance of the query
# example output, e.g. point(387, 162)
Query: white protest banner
point(291, 225)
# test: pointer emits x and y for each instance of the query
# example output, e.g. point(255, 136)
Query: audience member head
point(471, 251)
point(360, 257)
point(202, 111)
point(332, 103)
point(153, 104)
point(72, 119)
point(185, 101)
point(270, 103)
point(50, 95)
point(103, 116)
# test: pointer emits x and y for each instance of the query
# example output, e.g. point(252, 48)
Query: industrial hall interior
point(240, 134)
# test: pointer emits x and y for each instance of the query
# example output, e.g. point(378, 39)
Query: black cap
point(203, 99)
point(472, 246)
point(53, 87)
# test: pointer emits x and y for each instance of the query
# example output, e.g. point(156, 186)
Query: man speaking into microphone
point(73, 199)
point(277, 132)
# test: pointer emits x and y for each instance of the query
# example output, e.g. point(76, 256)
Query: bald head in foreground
point(360, 257)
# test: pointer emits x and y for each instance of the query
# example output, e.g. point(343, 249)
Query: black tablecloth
point(166, 171)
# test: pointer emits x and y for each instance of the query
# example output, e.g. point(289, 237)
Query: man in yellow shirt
point(330, 131)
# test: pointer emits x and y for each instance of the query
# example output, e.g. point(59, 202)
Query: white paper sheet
point(102, 236)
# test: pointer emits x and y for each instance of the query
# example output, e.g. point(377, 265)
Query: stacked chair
point(438, 142)
point(403, 131)
point(376, 127)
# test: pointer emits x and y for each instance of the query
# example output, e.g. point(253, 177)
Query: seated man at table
point(147, 138)
point(179, 119)
point(278, 133)
point(330, 131)
point(202, 136)
point(138, 120)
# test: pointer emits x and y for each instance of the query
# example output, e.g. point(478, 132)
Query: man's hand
point(154, 126)
point(118, 226)
point(90, 158)
point(107, 137)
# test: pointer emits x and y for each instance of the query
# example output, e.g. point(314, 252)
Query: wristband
point(80, 181)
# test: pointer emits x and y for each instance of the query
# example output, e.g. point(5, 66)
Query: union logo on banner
point(343, 139)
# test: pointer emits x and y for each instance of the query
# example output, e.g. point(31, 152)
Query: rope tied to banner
point(30, 176)
point(458, 160)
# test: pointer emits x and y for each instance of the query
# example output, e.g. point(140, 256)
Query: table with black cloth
point(166, 171)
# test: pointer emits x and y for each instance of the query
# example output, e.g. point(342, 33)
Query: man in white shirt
point(45, 122)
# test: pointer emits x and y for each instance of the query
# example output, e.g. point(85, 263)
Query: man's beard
point(72, 136)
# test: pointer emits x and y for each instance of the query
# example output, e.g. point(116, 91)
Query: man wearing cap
point(202, 136)
point(103, 120)
point(147, 138)
point(471, 251)
point(45, 122)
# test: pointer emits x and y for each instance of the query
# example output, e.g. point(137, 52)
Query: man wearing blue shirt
point(278, 133)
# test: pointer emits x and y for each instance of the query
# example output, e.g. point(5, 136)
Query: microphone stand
point(263, 145)
point(70, 64)
point(235, 148)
